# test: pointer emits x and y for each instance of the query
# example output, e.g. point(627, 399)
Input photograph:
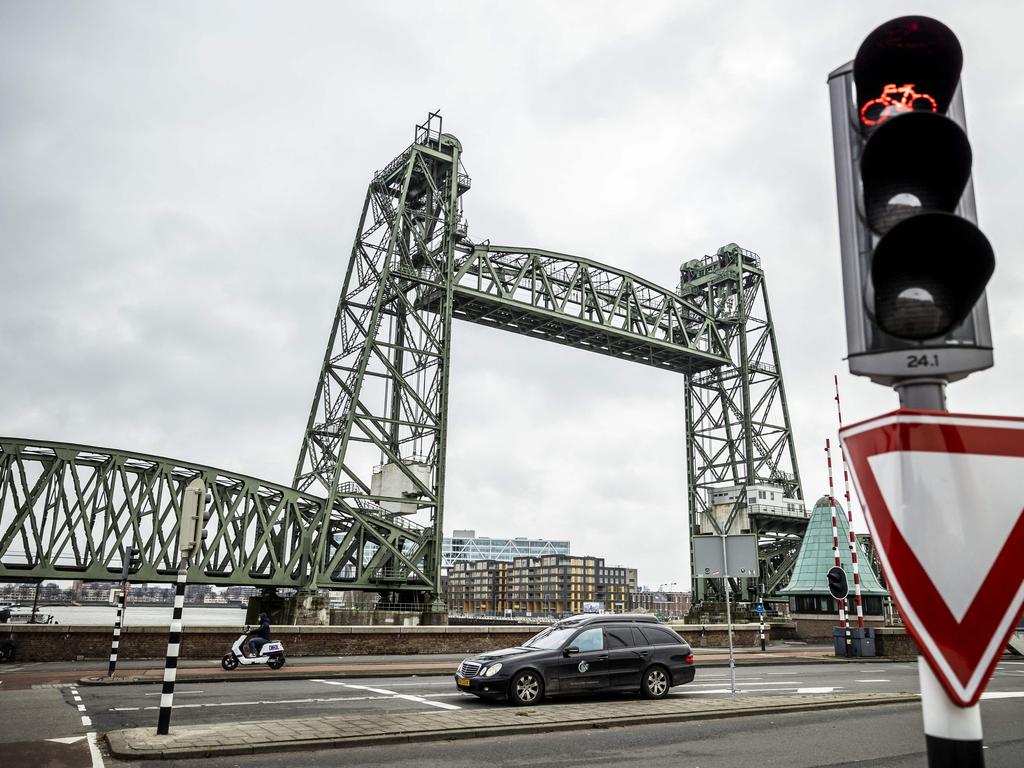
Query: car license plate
point(463, 682)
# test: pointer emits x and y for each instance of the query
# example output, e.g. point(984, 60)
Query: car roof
point(582, 619)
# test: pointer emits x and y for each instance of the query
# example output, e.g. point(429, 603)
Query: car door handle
point(603, 657)
point(643, 654)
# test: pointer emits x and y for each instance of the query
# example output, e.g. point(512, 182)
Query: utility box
point(862, 641)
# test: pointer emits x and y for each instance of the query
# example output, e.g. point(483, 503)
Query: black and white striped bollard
point(116, 641)
point(173, 646)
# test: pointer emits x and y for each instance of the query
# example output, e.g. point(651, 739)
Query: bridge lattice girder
point(67, 511)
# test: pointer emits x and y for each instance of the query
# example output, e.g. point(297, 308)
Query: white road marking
point(1003, 695)
point(78, 698)
point(81, 707)
point(86, 721)
point(329, 700)
point(821, 689)
point(394, 694)
point(878, 680)
point(773, 682)
point(740, 689)
point(94, 751)
point(67, 739)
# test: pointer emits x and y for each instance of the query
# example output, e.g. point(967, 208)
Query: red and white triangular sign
point(943, 495)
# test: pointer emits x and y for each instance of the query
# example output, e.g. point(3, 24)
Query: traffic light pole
point(953, 735)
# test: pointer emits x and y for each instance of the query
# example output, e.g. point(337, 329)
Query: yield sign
point(944, 499)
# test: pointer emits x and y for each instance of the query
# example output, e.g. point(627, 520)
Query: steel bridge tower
point(382, 397)
point(365, 510)
point(741, 466)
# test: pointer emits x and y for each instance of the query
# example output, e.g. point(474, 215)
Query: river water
point(145, 615)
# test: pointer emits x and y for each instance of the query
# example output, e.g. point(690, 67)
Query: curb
point(120, 747)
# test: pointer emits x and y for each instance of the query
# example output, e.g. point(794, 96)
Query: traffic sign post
point(915, 267)
point(191, 531)
point(925, 479)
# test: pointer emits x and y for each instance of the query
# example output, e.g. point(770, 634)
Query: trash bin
point(862, 641)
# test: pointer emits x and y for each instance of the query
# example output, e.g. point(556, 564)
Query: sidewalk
point(210, 740)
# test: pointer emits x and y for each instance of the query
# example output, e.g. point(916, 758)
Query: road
point(32, 717)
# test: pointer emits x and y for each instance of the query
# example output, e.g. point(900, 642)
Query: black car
point(579, 654)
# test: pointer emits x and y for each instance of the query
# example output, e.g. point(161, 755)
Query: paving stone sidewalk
point(209, 740)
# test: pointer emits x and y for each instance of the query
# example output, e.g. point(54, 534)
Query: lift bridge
point(365, 509)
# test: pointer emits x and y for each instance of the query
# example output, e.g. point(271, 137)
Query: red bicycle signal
point(885, 106)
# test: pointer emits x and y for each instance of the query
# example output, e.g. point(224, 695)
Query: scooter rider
point(260, 636)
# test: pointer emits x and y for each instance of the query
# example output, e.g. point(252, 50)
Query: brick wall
point(56, 642)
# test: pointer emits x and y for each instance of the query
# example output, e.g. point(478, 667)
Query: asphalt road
point(886, 737)
point(127, 706)
point(37, 716)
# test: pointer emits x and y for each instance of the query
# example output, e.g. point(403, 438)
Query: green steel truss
point(66, 512)
point(737, 420)
point(366, 507)
point(583, 304)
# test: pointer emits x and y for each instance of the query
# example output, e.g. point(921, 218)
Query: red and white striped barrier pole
point(841, 604)
point(849, 519)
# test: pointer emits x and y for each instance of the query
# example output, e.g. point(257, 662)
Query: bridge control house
point(811, 607)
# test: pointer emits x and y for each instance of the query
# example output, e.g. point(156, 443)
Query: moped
point(271, 654)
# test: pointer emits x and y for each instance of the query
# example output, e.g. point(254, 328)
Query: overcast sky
point(180, 184)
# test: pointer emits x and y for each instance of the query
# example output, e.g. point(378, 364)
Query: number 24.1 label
point(922, 361)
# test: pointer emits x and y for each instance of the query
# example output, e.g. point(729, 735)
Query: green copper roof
point(816, 556)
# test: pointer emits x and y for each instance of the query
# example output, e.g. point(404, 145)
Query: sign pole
point(953, 735)
point(760, 611)
point(122, 606)
point(190, 532)
point(163, 724)
point(728, 617)
point(849, 519)
point(841, 604)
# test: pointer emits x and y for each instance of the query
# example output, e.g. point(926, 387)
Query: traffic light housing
point(195, 514)
point(838, 585)
point(130, 561)
point(915, 264)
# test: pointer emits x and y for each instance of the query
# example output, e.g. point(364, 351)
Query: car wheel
point(229, 662)
point(6, 651)
point(655, 683)
point(275, 662)
point(526, 688)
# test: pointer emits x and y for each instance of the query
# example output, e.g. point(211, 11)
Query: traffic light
point(195, 514)
point(915, 264)
point(130, 561)
point(838, 586)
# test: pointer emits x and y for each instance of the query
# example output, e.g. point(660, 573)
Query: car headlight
point(492, 670)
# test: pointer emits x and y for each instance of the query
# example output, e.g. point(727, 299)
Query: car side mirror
point(572, 649)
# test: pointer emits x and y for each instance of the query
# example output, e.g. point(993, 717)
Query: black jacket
point(263, 630)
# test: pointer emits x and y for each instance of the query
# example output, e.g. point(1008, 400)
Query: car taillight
point(689, 659)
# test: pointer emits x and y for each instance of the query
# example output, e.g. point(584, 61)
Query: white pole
point(728, 617)
point(952, 734)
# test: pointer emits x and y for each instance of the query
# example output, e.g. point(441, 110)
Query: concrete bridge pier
point(304, 608)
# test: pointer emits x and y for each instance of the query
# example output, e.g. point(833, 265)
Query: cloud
point(180, 187)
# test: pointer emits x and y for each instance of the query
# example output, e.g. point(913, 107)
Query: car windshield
point(550, 638)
